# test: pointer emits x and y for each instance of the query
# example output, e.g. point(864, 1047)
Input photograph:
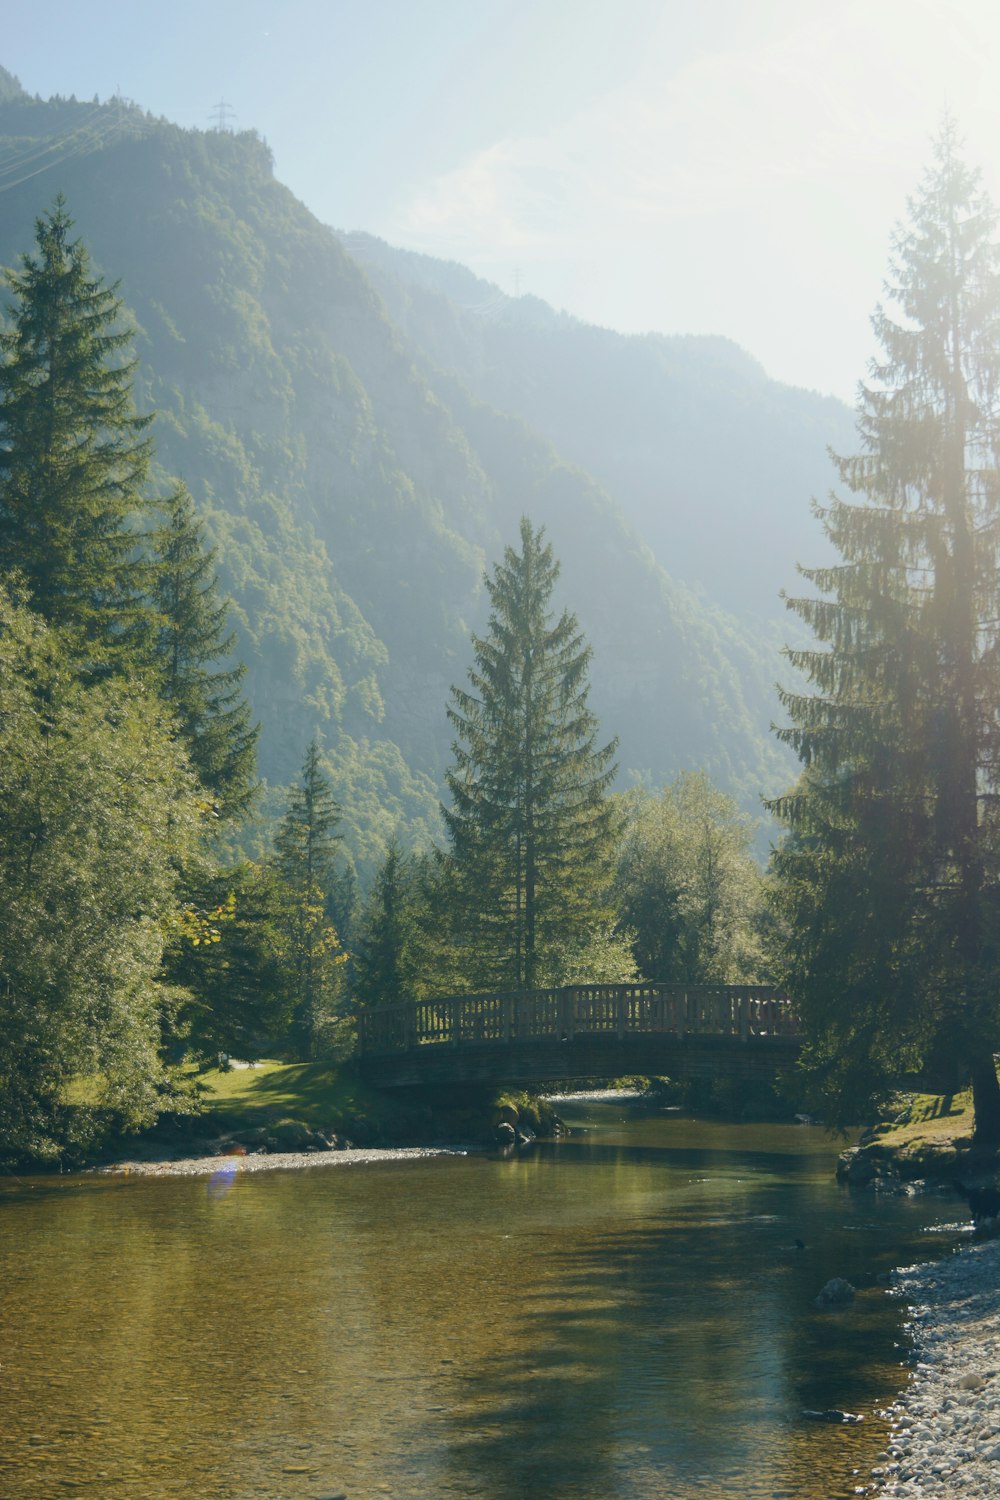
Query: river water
point(622, 1313)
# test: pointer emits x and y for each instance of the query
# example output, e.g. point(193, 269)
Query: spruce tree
point(530, 823)
point(306, 847)
point(385, 962)
point(891, 874)
point(73, 454)
point(211, 713)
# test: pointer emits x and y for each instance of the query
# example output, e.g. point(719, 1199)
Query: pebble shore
point(207, 1166)
point(946, 1426)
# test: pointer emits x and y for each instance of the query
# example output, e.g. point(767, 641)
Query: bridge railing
point(743, 1012)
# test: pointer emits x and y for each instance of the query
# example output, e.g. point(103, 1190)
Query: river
point(621, 1313)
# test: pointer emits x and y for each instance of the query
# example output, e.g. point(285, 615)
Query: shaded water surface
point(620, 1314)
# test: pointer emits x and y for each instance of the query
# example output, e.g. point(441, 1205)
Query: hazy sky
point(696, 166)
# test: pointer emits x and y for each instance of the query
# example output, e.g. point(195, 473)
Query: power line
point(76, 143)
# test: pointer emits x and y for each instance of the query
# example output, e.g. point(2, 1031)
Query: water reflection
point(620, 1314)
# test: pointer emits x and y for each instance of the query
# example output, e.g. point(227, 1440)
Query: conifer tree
point(212, 715)
point(891, 875)
point(530, 822)
point(73, 454)
point(385, 962)
point(306, 846)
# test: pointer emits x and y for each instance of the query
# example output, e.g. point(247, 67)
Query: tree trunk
point(985, 1102)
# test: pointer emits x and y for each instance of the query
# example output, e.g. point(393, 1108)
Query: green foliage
point(891, 876)
point(228, 952)
point(206, 699)
point(97, 809)
point(643, 415)
point(687, 887)
point(530, 823)
point(73, 457)
point(386, 960)
point(305, 856)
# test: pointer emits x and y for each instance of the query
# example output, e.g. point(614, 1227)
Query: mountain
point(357, 476)
point(712, 462)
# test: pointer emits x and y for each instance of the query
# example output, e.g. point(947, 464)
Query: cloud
point(794, 151)
point(847, 89)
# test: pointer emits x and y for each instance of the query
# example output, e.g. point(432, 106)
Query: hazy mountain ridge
point(356, 491)
point(712, 461)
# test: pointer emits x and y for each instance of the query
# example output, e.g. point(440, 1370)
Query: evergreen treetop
point(74, 457)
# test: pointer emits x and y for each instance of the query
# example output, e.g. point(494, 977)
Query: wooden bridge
point(581, 1031)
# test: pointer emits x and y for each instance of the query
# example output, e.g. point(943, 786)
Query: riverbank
point(946, 1425)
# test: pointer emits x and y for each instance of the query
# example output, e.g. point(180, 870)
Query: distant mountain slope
point(355, 491)
point(712, 462)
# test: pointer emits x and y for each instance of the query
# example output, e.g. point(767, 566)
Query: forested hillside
point(711, 460)
point(355, 487)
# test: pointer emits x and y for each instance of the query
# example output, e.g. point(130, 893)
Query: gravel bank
point(946, 1426)
point(207, 1166)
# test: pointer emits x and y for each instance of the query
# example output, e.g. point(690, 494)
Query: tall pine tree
point(530, 823)
point(74, 456)
point(891, 875)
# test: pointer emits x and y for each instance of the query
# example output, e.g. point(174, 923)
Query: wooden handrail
point(742, 1011)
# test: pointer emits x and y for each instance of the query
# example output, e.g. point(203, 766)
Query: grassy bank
point(280, 1106)
point(927, 1136)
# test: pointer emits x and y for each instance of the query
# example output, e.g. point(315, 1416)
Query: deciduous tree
point(688, 886)
point(98, 810)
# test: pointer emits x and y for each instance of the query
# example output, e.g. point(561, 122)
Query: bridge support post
point(566, 1014)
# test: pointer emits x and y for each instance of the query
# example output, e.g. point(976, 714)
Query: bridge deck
point(580, 1030)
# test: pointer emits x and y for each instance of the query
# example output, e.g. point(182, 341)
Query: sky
point(729, 167)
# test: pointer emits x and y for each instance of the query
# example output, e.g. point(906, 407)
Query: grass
point(930, 1136)
point(316, 1093)
point(929, 1120)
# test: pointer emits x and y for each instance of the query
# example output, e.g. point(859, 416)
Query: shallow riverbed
point(622, 1313)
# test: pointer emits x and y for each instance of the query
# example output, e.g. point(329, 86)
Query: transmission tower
point(223, 113)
